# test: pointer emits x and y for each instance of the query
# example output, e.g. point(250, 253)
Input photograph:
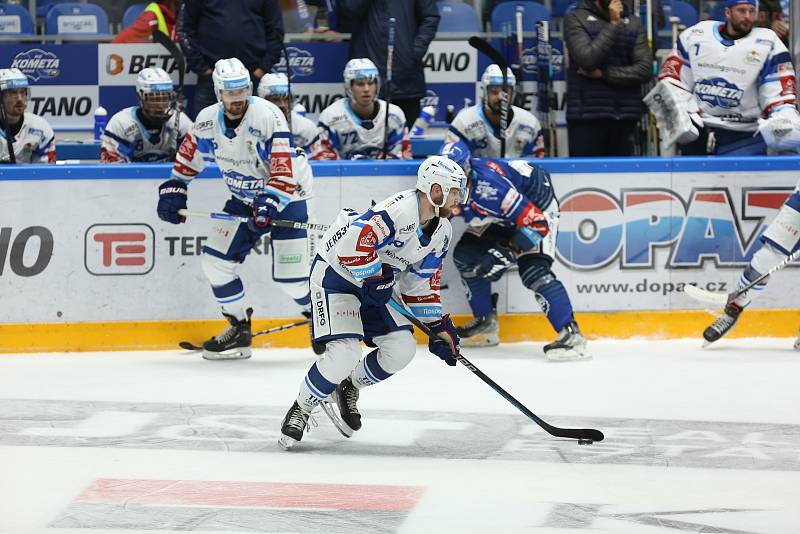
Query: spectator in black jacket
point(415, 28)
point(609, 61)
point(210, 30)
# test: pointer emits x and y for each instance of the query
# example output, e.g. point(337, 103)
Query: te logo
point(119, 249)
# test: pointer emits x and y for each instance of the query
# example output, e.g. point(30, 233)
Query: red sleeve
point(140, 31)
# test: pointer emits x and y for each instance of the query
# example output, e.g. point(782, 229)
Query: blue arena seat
point(717, 12)
point(75, 18)
point(15, 20)
point(132, 13)
point(685, 11)
point(457, 17)
point(505, 13)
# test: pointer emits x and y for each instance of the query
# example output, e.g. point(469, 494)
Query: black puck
point(585, 442)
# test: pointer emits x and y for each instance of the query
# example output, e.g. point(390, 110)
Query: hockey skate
point(318, 348)
point(345, 396)
point(234, 343)
point(722, 326)
point(480, 332)
point(294, 425)
point(569, 346)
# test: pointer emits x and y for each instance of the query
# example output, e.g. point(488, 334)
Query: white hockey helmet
point(493, 76)
point(230, 75)
point(154, 84)
point(445, 172)
point(273, 84)
point(361, 68)
point(13, 79)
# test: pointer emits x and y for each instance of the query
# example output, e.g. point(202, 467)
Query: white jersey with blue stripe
point(735, 82)
point(305, 132)
point(255, 157)
point(127, 140)
point(344, 135)
point(34, 143)
point(523, 135)
point(358, 246)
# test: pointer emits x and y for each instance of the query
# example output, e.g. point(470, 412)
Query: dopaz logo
point(119, 249)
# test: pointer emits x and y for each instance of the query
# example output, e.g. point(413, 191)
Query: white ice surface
point(696, 441)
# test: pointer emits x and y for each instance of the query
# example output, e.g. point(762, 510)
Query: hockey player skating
point(478, 126)
point(396, 246)
point(512, 218)
point(353, 127)
point(31, 137)
point(275, 88)
point(249, 139)
point(731, 88)
point(779, 240)
point(146, 133)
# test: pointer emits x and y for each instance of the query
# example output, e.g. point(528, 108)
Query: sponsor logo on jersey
point(187, 148)
point(367, 240)
point(753, 58)
point(205, 125)
point(301, 62)
point(280, 165)
point(240, 182)
point(335, 237)
point(319, 305)
point(719, 92)
point(37, 64)
point(496, 167)
point(408, 229)
point(377, 220)
point(485, 191)
point(788, 86)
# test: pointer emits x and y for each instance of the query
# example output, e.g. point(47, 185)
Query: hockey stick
point(583, 435)
point(164, 40)
point(389, 61)
point(722, 299)
point(289, 81)
point(519, 95)
point(12, 158)
point(482, 46)
point(187, 345)
point(547, 95)
point(276, 222)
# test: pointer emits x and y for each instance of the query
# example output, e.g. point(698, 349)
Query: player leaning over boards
point(479, 126)
point(398, 244)
point(29, 137)
point(512, 217)
point(249, 139)
point(735, 83)
point(780, 239)
point(353, 127)
point(146, 133)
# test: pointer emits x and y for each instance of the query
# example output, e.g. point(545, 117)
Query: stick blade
point(702, 295)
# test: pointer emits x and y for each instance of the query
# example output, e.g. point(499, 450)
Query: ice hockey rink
point(699, 441)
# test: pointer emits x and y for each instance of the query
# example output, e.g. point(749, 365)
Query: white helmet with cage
point(13, 79)
point(273, 84)
point(493, 76)
point(153, 84)
point(361, 68)
point(230, 75)
point(447, 174)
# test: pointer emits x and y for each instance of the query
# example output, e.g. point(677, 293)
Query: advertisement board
point(91, 248)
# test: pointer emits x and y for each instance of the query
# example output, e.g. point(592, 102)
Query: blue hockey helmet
point(459, 153)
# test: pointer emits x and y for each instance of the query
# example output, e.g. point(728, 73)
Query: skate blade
point(241, 353)
point(337, 421)
point(480, 340)
point(567, 355)
point(285, 442)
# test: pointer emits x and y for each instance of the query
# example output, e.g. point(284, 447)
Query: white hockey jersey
point(357, 246)
point(343, 135)
point(523, 135)
point(34, 143)
point(127, 140)
point(255, 157)
point(305, 132)
point(735, 82)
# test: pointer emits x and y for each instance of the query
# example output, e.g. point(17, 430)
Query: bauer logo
point(598, 228)
point(301, 61)
point(119, 249)
point(37, 64)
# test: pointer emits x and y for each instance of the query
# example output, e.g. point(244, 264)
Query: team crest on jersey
point(719, 92)
point(485, 191)
point(367, 240)
point(753, 58)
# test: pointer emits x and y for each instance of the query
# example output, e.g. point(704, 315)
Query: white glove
point(676, 111)
point(781, 131)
